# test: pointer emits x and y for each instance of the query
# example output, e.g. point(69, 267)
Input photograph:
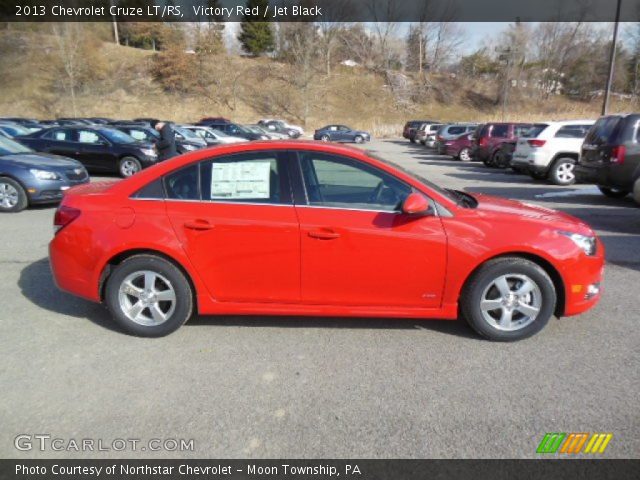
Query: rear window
point(573, 131)
point(456, 130)
point(603, 128)
point(535, 130)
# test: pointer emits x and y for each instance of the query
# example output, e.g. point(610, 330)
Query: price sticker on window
point(240, 180)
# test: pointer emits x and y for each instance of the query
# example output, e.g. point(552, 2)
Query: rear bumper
point(598, 174)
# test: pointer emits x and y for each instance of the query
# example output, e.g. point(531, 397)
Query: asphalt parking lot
point(324, 388)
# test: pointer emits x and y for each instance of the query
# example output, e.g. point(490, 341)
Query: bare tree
point(385, 14)
point(69, 38)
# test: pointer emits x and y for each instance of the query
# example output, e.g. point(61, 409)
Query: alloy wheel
point(464, 155)
point(511, 302)
point(128, 168)
point(565, 173)
point(8, 196)
point(147, 298)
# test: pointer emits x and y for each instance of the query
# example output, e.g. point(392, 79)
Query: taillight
point(483, 141)
point(64, 216)
point(536, 143)
point(439, 138)
point(617, 154)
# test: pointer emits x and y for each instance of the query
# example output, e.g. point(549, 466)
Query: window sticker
point(240, 180)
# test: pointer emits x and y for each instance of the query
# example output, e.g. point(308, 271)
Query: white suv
point(551, 150)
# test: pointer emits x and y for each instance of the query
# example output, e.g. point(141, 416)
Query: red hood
point(496, 206)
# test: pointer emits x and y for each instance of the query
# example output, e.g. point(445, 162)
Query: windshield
point(9, 147)
point(116, 136)
point(445, 193)
point(15, 130)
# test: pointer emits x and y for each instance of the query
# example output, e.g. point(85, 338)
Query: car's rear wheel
point(465, 155)
point(508, 299)
point(562, 172)
point(358, 139)
point(149, 296)
point(13, 198)
point(612, 192)
point(129, 166)
point(636, 191)
point(325, 138)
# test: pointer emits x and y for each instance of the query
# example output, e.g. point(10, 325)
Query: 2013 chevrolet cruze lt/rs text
point(309, 228)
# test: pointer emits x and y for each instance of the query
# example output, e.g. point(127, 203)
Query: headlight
point(264, 137)
point(586, 243)
point(44, 174)
point(189, 147)
point(149, 152)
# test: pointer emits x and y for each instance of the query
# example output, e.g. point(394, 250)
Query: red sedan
point(306, 228)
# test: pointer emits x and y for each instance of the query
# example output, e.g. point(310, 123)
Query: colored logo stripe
point(598, 443)
point(550, 442)
point(572, 443)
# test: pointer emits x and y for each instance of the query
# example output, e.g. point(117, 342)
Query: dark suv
point(490, 138)
point(610, 156)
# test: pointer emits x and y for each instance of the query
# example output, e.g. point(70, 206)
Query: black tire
point(636, 191)
point(358, 139)
point(325, 138)
point(465, 155)
point(13, 198)
point(562, 173)
point(165, 272)
point(412, 140)
point(518, 169)
point(129, 166)
point(537, 175)
point(500, 159)
point(489, 161)
point(613, 192)
point(476, 287)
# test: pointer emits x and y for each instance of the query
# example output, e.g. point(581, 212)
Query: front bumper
point(50, 191)
point(583, 282)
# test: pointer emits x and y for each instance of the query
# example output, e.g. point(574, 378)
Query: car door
point(236, 221)
point(60, 142)
point(357, 248)
point(96, 151)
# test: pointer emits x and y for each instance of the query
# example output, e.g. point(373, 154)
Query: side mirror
point(415, 204)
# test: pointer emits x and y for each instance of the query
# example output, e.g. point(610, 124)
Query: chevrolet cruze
point(309, 228)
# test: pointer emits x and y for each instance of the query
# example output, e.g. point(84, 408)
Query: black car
point(28, 177)
point(610, 156)
point(234, 129)
point(147, 134)
point(98, 148)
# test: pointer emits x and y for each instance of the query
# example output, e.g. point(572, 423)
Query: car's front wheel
point(359, 139)
point(149, 296)
point(325, 138)
point(508, 299)
point(129, 166)
point(13, 198)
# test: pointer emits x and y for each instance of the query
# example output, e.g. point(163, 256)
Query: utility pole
point(612, 61)
point(116, 37)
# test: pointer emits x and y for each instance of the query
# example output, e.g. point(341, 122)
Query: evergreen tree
point(256, 36)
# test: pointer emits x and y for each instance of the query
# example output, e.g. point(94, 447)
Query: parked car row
point(605, 152)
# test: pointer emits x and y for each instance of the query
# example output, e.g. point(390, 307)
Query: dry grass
point(356, 97)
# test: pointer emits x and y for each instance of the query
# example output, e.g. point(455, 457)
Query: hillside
point(118, 82)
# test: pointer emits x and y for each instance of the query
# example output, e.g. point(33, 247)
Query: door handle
point(324, 234)
point(198, 225)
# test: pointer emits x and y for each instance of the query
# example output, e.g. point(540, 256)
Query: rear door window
point(500, 131)
point(573, 131)
point(456, 130)
point(533, 131)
